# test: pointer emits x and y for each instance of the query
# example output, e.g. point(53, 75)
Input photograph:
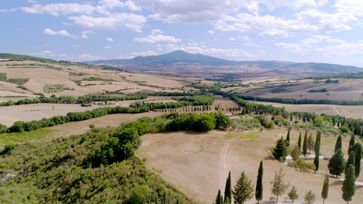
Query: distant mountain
point(181, 60)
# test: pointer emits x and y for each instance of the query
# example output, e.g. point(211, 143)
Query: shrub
point(302, 165)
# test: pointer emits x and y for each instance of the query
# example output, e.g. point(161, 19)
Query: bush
point(302, 165)
point(140, 195)
point(266, 123)
point(7, 149)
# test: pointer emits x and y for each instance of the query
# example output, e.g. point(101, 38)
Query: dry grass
point(346, 89)
point(347, 111)
point(199, 163)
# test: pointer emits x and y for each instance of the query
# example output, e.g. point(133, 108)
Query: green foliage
point(295, 152)
point(140, 194)
point(325, 189)
point(318, 121)
point(228, 190)
point(350, 161)
point(305, 143)
point(302, 165)
point(317, 151)
point(7, 149)
point(299, 141)
point(351, 143)
point(219, 198)
point(288, 136)
point(243, 190)
point(336, 163)
point(259, 183)
point(292, 194)
point(279, 186)
point(357, 148)
point(58, 172)
point(265, 122)
point(309, 197)
point(280, 150)
point(349, 184)
point(344, 129)
point(18, 81)
point(247, 122)
point(338, 143)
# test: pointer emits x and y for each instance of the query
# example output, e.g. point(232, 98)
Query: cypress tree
point(336, 163)
point(351, 161)
point(358, 156)
point(228, 190)
point(219, 198)
point(243, 190)
point(349, 184)
point(299, 141)
point(351, 143)
point(288, 136)
point(317, 151)
point(325, 190)
point(259, 183)
point(305, 144)
point(338, 143)
point(280, 151)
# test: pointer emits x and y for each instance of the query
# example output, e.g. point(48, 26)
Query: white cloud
point(109, 39)
point(275, 33)
point(61, 9)
point(87, 57)
point(32, 1)
point(324, 45)
point(49, 31)
point(127, 20)
point(211, 32)
point(86, 34)
point(157, 36)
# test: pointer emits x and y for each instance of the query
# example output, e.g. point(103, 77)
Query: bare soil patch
point(199, 163)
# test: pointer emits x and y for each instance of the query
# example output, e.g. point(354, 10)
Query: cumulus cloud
point(127, 20)
point(100, 15)
point(157, 36)
point(324, 45)
point(109, 39)
point(49, 31)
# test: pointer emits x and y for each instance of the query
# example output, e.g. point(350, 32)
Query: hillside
point(185, 61)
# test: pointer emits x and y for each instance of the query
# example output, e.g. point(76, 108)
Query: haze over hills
point(185, 61)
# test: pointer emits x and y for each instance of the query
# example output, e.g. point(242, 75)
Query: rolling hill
point(185, 60)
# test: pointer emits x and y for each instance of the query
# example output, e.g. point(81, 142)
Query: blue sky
point(300, 30)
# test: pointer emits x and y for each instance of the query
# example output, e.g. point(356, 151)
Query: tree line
point(20, 126)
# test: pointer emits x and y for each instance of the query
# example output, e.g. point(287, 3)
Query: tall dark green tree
point(219, 198)
point(336, 163)
point(243, 190)
point(305, 144)
point(259, 184)
point(317, 151)
point(338, 143)
point(299, 141)
point(358, 156)
point(350, 161)
point(349, 184)
point(288, 136)
point(228, 190)
point(325, 190)
point(280, 151)
point(351, 143)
